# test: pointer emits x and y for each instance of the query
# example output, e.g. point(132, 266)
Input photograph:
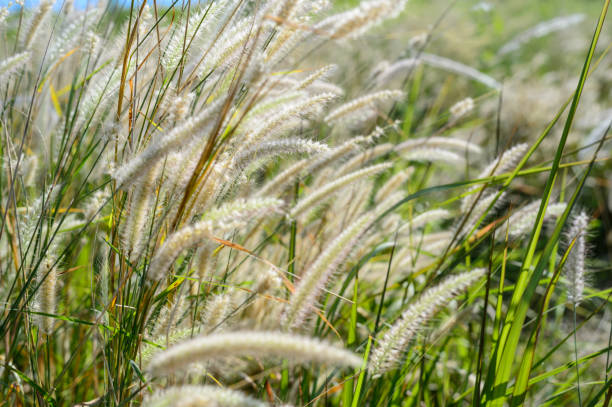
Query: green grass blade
point(522, 380)
point(362, 374)
point(528, 279)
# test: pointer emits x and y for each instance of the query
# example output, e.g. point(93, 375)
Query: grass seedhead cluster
point(206, 204)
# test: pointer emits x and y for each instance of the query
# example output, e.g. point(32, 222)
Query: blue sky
point(30, 3)
point(81, 3)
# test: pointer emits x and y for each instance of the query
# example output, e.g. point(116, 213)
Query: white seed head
point(387, 353)
point(540, 30)
point(461, 108)
point(448, 143)
point(193, 396)
point(214, 223)
point(357, 21)
point(13, 63)
point(356, 108)
point(522, 221)
point(434, 155)
point(505, 162)
point(264, 345)
point(45, 298)
point(394, 183)
point(327, 191)
point(459, 69)
point(575, 265)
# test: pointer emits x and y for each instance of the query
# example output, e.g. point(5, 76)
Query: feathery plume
point(216, 311)
point(135, 230)
point(522, 221)
point(393, 183)
point(45, 298)
point(12, 63)
point(285, 9)
point(386, 355)
point(235, 40)
point(193, 395)
point(182, 38)
point(540, 30)
point(461, 108)
point(320, 73)
point(98, 96)
point(285, 178)
point(355, 108)
point(365, 156)
point(177, 105)
point(72, 35)
point(327, 190)
point(219, 221)
point(397, 70)
point(175, 139)
point(460, 69)
point(504, 163)
point(485, 202)
point(433, 154)
point(95, 203)
point(284, 120)
point(355, 22)
point(271, 105)
point(337, 153)
point(439, 142)
point(281, 182)
point(575, 265)
point(169, 318)
point(250, 343)
point(265, 150)
point(41, 12)
point(316, 277)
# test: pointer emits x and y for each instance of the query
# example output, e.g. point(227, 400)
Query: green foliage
point(300, 203)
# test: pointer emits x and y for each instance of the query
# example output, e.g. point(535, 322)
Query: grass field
point(305, 203)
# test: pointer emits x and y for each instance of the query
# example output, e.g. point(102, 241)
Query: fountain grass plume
point(387, 353)
point(262, 345)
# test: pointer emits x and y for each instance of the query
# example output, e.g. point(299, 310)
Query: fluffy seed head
point(45, 299)
point(462, 108)
point(356, 108)
point(386, 354)
point(438, 142)
point(523, 220)
point(193, 396)
point(575, 265)
point(214, 222)
point(13, 63)
point(250, 343)
point(355, 22)
point(460, 69)
point(327, 190)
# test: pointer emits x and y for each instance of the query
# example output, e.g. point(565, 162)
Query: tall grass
point(207, 204)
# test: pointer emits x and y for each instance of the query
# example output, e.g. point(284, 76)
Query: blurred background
point(533, 52)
